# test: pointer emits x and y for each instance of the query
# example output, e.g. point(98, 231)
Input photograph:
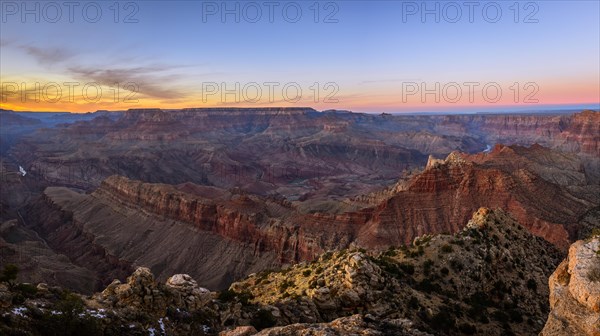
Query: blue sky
point(369, 53)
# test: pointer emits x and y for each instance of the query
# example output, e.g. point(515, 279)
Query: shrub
point(391, 252)
point(414, 303)
point(427, 266)
point(245, 297)
point(68, 320)
point(285, 285)
point(500, 316)
point(229, 296)
point(456, 265)
point(263, 319)
point(480, 299)
point(327, 256)
point(9, 274)
point(226, 295)
point(413, 254)
point(443, 320)
point(595, 233)
point(446, 248)
point(532, 285)
point(515, 315)
point(407, 268)
point(444, 271)
point(428, 286)
point(467, 329)
point(27, 290)
point(306, 273)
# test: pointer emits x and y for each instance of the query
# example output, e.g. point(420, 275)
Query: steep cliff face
point(575, 292)
point(445, 194)
point(67, 235)
point(577, 133)
point(110, 234)
point(251, 220)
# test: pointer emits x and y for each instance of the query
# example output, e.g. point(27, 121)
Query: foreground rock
point(575, 292)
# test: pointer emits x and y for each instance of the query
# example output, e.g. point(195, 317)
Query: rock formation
point(142, 292)
point(575, 292)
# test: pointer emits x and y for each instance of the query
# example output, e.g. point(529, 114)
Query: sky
point(368, 56)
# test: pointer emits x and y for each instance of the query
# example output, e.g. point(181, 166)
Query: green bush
point(306, 273)
point(480, 299)
point(27, 290)
point(391, 252)
point(532, 285)
point(285, 285)
point(414, 303)
point(456, 265)
point(245, 297)
point(407, 268)
point(428, 286)
point(500, 316)
point(515, 315)
point(467, 329)
point(427, 265)
point(230, 296)
point(67, 319)
point(263, 319)
point(9, 274)
point(446, 248)
point(226, 295)
point(595, 233)
point(443, 320)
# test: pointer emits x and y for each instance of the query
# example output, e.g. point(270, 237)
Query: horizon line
point(500, 109)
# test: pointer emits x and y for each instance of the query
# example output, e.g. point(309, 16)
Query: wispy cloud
point(48, 56)
point(153, 81)
point(159, 81)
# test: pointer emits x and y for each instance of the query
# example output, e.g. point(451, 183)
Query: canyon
point(224, 194)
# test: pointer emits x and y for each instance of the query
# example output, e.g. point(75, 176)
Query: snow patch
point(19, 311)
point(162, 326)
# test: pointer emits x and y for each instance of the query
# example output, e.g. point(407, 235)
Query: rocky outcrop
point(493, 269)
point(575, 292)
point(141, 292)
point(443, 196)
